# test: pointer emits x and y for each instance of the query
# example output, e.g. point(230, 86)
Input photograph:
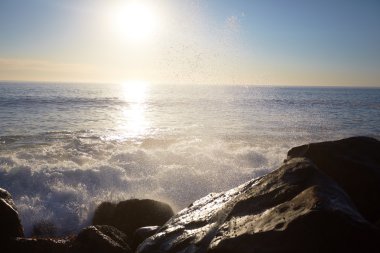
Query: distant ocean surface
point(64, 148)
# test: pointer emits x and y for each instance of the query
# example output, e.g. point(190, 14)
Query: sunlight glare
point(135, 123)
point(135, 91)
point(135, 21)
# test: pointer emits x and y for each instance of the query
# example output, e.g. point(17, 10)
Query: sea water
point(65, 148)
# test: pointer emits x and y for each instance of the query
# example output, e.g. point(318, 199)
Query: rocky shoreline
point(324, 198)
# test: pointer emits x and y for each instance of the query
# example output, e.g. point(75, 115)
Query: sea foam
point(62, 181)
point(65, 148)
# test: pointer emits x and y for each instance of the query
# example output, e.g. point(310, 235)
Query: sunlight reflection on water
point(133, 122)
point(65, 148)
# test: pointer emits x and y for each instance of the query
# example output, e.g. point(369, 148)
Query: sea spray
point(63, 181)
point(65, 148)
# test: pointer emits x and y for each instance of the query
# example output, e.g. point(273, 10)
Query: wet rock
point(354, 163)
point(10, 224)
point(93, 239)
point(44, 228)
point(37, 245)
point(104, 214)
point(296, 208)
point(100, 239)
point(132, 214)
point(142, 233)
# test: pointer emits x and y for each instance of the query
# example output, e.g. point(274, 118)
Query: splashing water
point(66, 148)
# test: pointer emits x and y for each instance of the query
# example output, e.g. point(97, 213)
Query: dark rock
point(44, 228)
point(354, 163)
point(93, 239)
point(34, 245)
point(10, 224)
point(296, 208)
point(104, 213)
point(142, 233)
point(131, 214)
point(100, 239)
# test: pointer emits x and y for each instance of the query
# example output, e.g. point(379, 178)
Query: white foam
point(65, 180)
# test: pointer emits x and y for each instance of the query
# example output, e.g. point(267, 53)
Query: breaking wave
point(64, 148)
point(61, 177)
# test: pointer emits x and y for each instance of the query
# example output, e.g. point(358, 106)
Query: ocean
point(65, 148)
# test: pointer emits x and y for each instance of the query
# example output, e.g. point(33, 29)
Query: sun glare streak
point(135, 91)
point(135, 21)
point(134, 122)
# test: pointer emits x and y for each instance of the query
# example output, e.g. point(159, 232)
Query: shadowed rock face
point(34, 245)
point(10, 224)
point(132, 214)
point(44, 228)
point(99, 239)
point(354, 163)
point(142, 233)
point(296, 208)
point(93, 239)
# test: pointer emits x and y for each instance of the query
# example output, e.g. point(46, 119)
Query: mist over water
point(65, 148)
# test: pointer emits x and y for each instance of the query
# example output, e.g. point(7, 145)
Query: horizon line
point(375, 86)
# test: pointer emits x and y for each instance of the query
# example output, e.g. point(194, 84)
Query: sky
point(258, 42)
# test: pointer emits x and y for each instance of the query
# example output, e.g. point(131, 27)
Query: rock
point(34, 245)
point(296, 208)
point(93, 239)
point(10, 224)
point(44, 228)
point(142, 233)
point(354, 163)
point(131, 214)
point(100, 239)
point(104, 214)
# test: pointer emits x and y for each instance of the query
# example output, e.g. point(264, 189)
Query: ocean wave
point(64, 180)
point(66, 148)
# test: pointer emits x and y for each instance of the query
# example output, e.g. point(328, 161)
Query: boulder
point(93, 239)
point(10, 224)
point(131, 214)
point(296, 208)
point(354, 164)
point(44, 228)
point(142, 233)
point(100, 239)
point(36, 245)
point(104, 214)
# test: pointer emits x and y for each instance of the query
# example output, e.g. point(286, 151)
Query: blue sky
point(289, 42)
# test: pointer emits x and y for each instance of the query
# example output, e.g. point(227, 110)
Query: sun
point(136, 21)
